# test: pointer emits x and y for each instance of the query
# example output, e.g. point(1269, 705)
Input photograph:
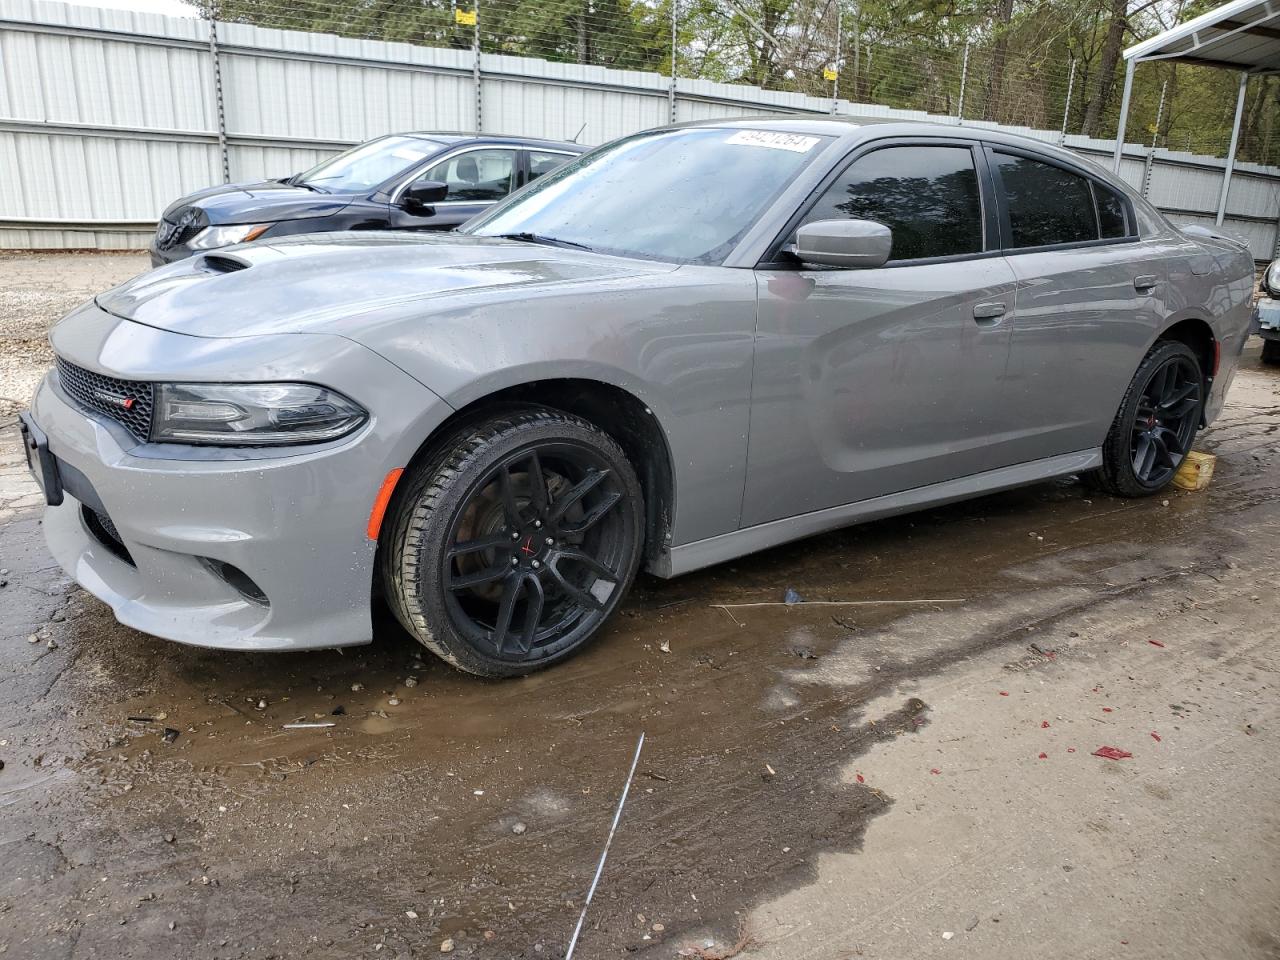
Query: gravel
point(38, 290)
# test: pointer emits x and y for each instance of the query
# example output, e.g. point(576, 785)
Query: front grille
point(105, 532)
point(128, 402)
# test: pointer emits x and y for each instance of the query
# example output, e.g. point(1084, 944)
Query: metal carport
point(1242, 35)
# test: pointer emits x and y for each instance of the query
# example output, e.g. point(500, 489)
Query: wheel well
point(620, 414)
point(1197, 335)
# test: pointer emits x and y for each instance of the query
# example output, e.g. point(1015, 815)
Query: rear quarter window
point(1112, 219)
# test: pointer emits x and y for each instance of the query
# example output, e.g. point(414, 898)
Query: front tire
point(1156, 424)
point(509, 548)
point(1271, 351)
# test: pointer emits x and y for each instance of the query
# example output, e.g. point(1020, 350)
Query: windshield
point(369, 164)
point(685, 195)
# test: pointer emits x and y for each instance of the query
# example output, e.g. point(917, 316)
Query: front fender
point(681, 341)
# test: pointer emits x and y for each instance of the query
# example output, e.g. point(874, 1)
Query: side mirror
point(852, 244)
point(423, 193)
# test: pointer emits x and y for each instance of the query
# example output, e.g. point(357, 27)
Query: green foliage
point(1010, 60)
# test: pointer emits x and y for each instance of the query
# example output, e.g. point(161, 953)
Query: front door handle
point(988, 311)
point(1147, 281)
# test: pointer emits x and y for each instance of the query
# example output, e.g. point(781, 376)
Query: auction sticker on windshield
point(408, 153)
point(794, 142)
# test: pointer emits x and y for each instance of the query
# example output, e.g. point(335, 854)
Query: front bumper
point(1268, 318)
point(291, 521)
point(172, 254)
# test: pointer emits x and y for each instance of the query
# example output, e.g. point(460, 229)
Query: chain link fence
point(108, 115)
point(1025, 75)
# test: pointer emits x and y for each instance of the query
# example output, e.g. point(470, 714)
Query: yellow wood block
point(1196, 471)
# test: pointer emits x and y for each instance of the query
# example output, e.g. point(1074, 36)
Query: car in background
point(1269, 313)
point(405, 181)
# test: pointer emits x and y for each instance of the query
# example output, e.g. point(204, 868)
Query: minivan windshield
point(365, 166)
point(685, 195)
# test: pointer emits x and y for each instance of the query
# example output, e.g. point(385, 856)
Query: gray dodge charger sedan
point(684, 346)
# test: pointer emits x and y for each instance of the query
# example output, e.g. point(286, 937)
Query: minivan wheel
point(1156, 424)
point(1271, 351)
point(508, 549)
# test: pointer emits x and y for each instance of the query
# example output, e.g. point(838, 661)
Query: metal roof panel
point(1243, 34)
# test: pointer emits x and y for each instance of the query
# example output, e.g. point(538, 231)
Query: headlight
point(252, 414)
point(210, 238)
point(1271, 279)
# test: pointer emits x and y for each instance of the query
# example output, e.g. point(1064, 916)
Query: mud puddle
point(481, 807)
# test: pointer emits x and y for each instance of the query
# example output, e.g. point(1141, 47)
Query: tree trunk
point(1101, 98)
point(1171, 97)
point(999, 54)
point(769, 49)
point(1251, 127)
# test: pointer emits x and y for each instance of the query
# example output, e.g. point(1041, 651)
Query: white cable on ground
point(573, 941)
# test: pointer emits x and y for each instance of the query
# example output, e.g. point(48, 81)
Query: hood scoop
point(221, 263)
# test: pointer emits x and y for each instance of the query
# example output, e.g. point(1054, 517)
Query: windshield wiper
point(305, 186)
point(526, 237)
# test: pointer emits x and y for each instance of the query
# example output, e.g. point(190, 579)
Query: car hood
point(329, 282)
point(263, 202)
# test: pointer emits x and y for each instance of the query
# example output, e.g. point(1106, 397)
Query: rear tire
point(1271, 351)
point(1156, 423)
point(510, 546)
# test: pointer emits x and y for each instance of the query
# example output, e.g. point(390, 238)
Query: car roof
point(855, 131)
point(447, 138)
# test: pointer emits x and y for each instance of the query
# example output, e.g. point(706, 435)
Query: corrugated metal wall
point(106, 116)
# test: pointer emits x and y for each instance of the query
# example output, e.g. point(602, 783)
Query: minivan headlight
point(252, 414)
point(211, 238)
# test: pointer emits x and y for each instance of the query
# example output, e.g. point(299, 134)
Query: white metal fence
point(106, 116)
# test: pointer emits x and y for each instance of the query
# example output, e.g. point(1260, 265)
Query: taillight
point(1217, 357)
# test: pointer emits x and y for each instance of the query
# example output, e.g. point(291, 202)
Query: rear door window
point(928, 196)
point(1046, 204)
point(542, 163)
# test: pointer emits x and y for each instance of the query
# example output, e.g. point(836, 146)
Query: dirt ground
point(899, 779)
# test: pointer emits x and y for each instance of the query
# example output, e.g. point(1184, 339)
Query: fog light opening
point(105, 532)
point(238, 580)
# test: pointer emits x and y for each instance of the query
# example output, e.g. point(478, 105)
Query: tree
point(900, 53)
point(999, 51)
point(1107, 68)
point(1118, 25)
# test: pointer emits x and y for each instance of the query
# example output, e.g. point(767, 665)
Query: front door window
point(477, 176)
point(928, 197)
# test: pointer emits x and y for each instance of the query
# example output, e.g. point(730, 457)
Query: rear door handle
point(988, 311)
point(1146, 282)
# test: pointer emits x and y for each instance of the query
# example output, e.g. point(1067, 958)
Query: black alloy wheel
point(1157, 422)
point(516, 543)
point(1165, 421)
point(535, 554)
